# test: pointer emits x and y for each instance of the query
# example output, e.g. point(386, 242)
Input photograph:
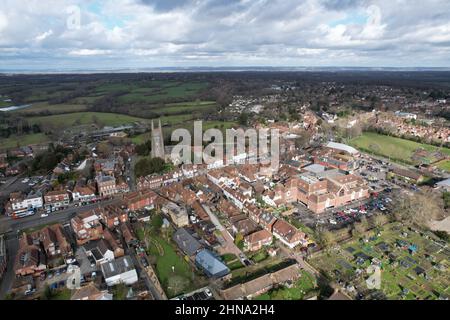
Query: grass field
point(24, 140)
point(172, 108)
point(53, 108)
point(83, 118)
point(155, 91)
point(400, 275)
point(400, 150)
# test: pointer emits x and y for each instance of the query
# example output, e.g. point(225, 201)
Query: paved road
point(13, 228)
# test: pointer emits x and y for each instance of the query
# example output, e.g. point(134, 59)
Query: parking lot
point(338, 218)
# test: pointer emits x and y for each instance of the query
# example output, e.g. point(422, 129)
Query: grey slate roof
point(186, 242)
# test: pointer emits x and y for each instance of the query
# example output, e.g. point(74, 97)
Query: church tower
point(157, 141)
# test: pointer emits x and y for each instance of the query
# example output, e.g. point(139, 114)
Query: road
point(13, 228)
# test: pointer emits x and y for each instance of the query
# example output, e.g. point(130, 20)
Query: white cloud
point(215, 32)
point(89, 52)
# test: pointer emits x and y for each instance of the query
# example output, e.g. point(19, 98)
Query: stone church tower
point(157, 142)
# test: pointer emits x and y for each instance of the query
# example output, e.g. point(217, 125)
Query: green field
point(83, 118)
point(173, 271)
point(52, 108)
point(400, 150)
point(155, 91)
point(173, 108)
point(398, 265)
point(24, 140)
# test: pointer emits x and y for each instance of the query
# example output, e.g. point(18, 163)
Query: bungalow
point(261, 284)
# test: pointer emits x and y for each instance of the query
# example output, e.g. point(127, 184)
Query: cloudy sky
point(90, 34)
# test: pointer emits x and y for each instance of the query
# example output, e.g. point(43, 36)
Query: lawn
point(173, 271)
point(24, 140)
point(84, 118)
point(398, 266)
point(400, 150)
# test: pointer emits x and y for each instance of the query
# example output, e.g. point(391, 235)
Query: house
point(99, 250)
point(200, 211)
point(111, 215)
point(86, 227)
point(149, 182)
point(53, 241)
point(83, 195)
point(211, 265)
point(30, 260)
point(119, 271)
point(228, 208)
point(288, 234)
point(91, 292)
point(178, 214)
point(140, 199)
point(257, 240)
point(19, 203)
point(266, 220)
point(245, 227)
point(186, 242)
point(56, 200)
point(106, 185)
point(128, 235)
point(114, 243)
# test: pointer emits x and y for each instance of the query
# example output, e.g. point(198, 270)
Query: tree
point(358, 230)
point(418, 209)
point(325, 238)
point(243, 119)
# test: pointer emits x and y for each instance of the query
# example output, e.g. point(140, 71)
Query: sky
point(114, 34)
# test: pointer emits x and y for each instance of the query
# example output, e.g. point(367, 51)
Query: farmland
point(414, 264)
point(83, 118)
point(24, 140)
